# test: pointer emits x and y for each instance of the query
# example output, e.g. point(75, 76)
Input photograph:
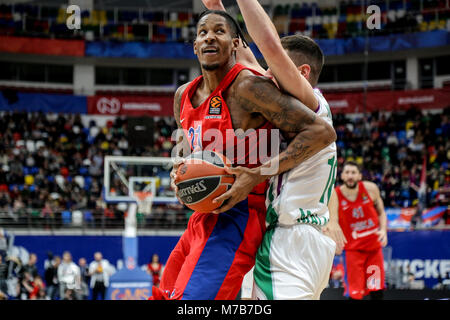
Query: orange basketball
point(202, 178)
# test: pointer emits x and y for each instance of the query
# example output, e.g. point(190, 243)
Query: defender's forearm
point(305, 144)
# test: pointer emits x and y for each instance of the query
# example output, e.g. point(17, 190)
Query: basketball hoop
point(144, 201)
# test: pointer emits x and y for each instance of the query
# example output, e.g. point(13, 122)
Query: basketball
point(202, 178)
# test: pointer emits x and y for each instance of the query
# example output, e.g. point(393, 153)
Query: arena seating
point(45, 158)
point(342, 21)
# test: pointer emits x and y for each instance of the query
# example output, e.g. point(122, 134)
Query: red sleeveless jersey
point(209, 126)
point(359, 220)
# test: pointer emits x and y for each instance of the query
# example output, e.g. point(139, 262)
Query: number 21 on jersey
point(195, 135)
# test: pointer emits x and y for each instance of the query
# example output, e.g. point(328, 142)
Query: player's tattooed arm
point(177, 103)
point(181, 148)
point(258, 94)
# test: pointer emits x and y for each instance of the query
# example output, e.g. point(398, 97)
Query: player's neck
point(350, 191)
point(212, 78)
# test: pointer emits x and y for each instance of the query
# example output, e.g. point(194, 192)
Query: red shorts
point(214, 253)
point(364, 272)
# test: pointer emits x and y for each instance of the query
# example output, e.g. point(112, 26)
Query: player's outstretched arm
point(265, 36)
point(260, 95)
point(332, 228)
point(244, 55)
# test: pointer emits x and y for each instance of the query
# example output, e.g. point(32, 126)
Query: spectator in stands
point(5, 200)
point(85, 278)
point(48, 214)
point(25, 286)
point(3, 243)
point(3, 276)
point(69, 278)
point(18, 207)
point(30, 266)
point(51, 277)
point(108, 215)
point(100, 270)
point(37, 289)
point(154, 269)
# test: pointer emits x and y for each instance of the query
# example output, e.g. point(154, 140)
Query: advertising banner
point(388, 100)
point(129, 284)
point(426, 253)
point(131, 105)
point(55, 47)
point(42, 102)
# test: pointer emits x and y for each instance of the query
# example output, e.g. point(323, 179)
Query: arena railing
point(33, 219)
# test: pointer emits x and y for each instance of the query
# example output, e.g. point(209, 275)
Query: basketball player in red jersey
point(217, 250)
point(356, 207)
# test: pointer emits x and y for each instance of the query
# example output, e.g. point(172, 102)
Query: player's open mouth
point(210, 50)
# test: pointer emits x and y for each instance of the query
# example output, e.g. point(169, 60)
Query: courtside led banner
point(131, 105)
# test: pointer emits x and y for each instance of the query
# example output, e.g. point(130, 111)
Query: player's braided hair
point(234, 26)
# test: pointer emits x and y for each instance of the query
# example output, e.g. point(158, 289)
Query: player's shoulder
point(370, 186)
point(180, 89)
point(247, 81)
point(177, 100)
point(178, 94)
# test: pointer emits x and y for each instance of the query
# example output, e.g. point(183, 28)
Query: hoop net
point(144, 201)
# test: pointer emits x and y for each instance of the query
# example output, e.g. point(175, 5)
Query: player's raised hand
point(213, 4)
point(245, 180)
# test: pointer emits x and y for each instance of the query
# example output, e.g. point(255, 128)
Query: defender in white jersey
point(294, 261)
point(295, 258)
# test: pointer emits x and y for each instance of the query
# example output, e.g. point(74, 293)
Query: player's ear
point(195, 47)
point(305, 70)
point(236, 43)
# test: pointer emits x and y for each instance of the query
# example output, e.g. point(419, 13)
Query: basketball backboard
point(125, 175)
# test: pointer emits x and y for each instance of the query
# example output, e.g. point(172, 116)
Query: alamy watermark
point(374, 19)
point(241, 147)
point(73, 21)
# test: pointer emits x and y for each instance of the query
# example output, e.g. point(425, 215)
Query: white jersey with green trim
point(301, 194)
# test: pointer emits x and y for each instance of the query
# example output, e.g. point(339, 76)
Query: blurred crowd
point(53, 164)
point(343, 19)
point(62, 279)
point(391, 149)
